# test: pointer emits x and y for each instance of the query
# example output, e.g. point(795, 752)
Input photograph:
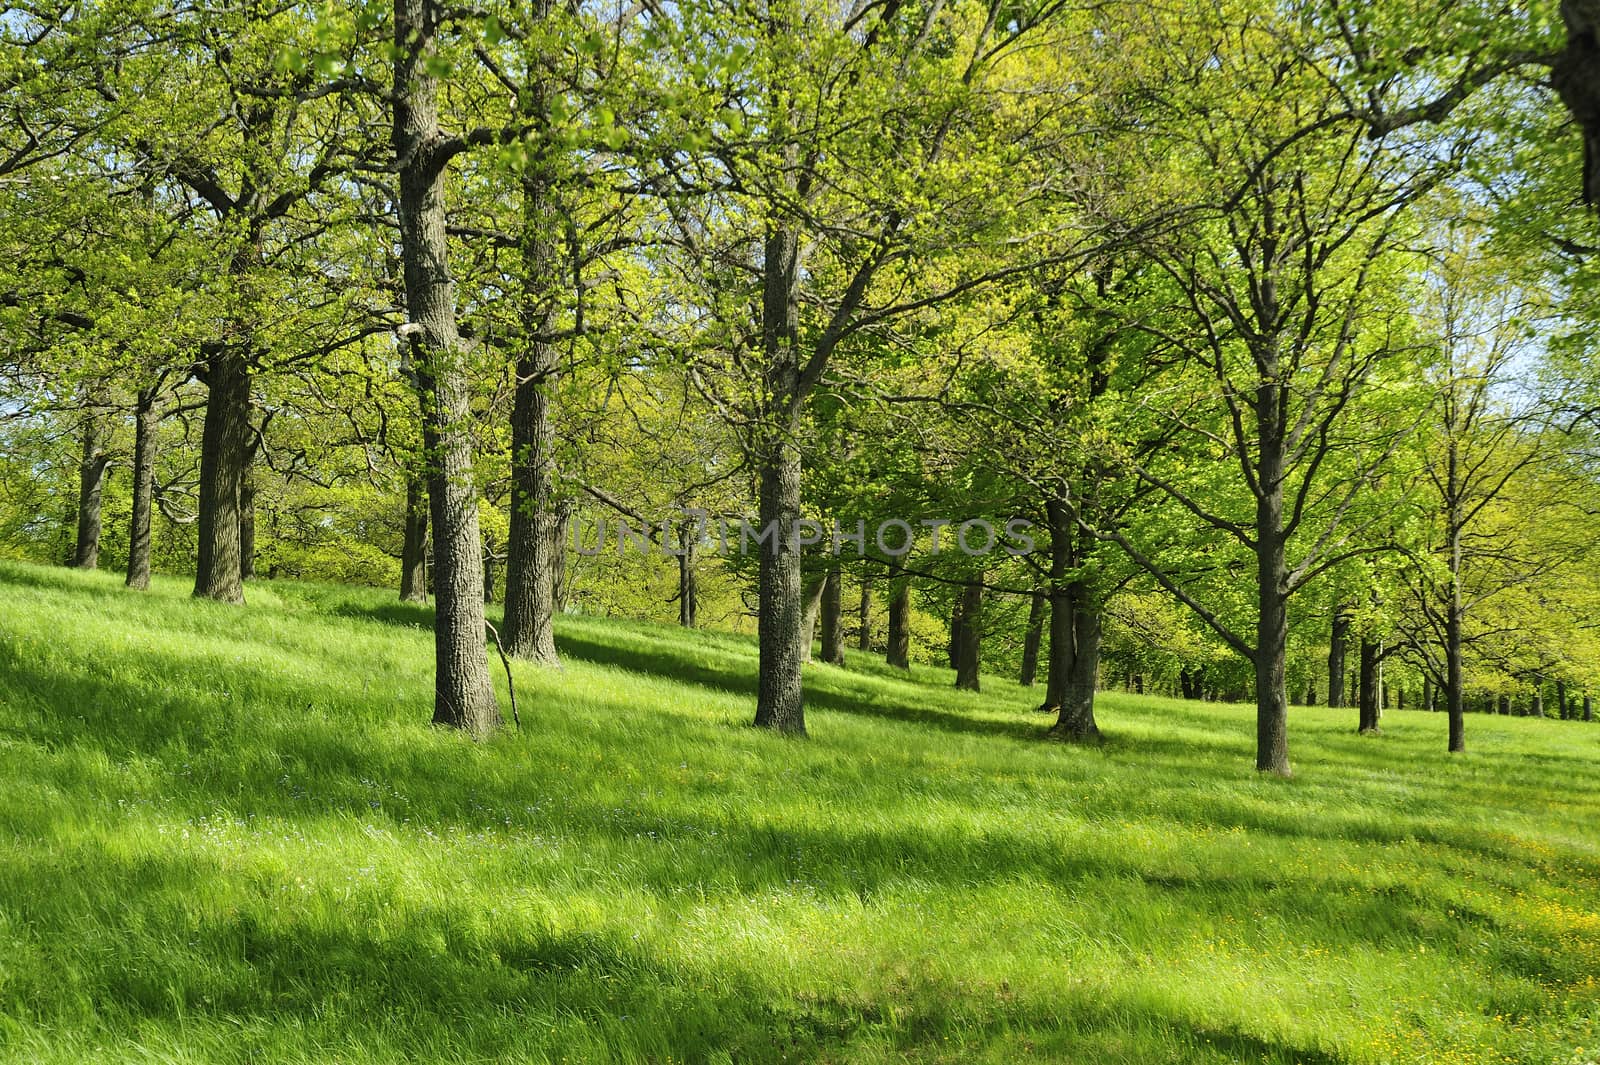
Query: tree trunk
point(1454, 614)
point(145, 424)
point(247, 526)
point(1367, 695)
point(783, 628)
point(898, 651)
point(1588, 708)
point(779, 635)
point(952, 649)
point(414, 553)
point(1427, 693)
point(224, 455)
point(811, 594)
point(688, 578)
point(1536, 707)
point(864, 616)
point(91, 490)
point(833, 618)
point(1076, 720)
point(1030, 640)
point(969, 642)
point(488, 577)
point(1073, 658)
point(1503, 707)
point(1336, 654)
point(1272, 624)
point(558, 557)
point(530, 562)
point(463, 696)
point(1561, 700)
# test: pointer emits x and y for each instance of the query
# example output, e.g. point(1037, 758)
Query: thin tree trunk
point(1272, 625)
point(91, 490)
point(688, 579)
point(1561, 700)
point(224, 454)
point(811, 594)
point(833, 618)
point(1588, 708)
point(145, 424)
point(463, 696)
point(969, 647)
point(414, 553)
point(952, 648)
point(783, 631)
point(558, 556)
point(1337, 638)
point(1030, 640)
point(1536, 707)
point(1455, 610)
point(247, 526)
point(898, 650)
point(864, 616)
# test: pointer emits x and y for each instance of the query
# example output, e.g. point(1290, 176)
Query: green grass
point(230, 835)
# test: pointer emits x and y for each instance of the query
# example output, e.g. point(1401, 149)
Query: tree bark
point(1367, 696)
point(1073, 659)
point(688, 577)
point(463, 696)
point(1272, 624)
point(779, 635)
point(969, 643)
point(898, 651)
point(1030, 640)
point(952, 648)
point(91, 491)
point(558, 557)
point(1337, 638)
point(1455, 609)
point(833, 618)
point(414, 553)
point(864, 616)
point(1561, 700)
point(1536, 707)
point(145, 423)
point(812, 590)
point(530, 562)
point(224, 455)
point(1588, 708)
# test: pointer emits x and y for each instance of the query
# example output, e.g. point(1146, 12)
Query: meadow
point(231, 835)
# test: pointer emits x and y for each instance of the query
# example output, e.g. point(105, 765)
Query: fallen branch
point(510, 685)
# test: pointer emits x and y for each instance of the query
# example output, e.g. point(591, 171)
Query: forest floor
point(230, 835)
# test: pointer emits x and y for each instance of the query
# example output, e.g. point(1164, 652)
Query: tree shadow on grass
point(737, 674)
point(406, 615)
point(167, 949)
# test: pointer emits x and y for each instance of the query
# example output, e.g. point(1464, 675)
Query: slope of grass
point(230, 835)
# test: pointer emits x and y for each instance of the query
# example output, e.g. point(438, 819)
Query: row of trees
point(1259, 319)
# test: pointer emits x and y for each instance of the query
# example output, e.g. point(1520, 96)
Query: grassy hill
point(230, 835)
